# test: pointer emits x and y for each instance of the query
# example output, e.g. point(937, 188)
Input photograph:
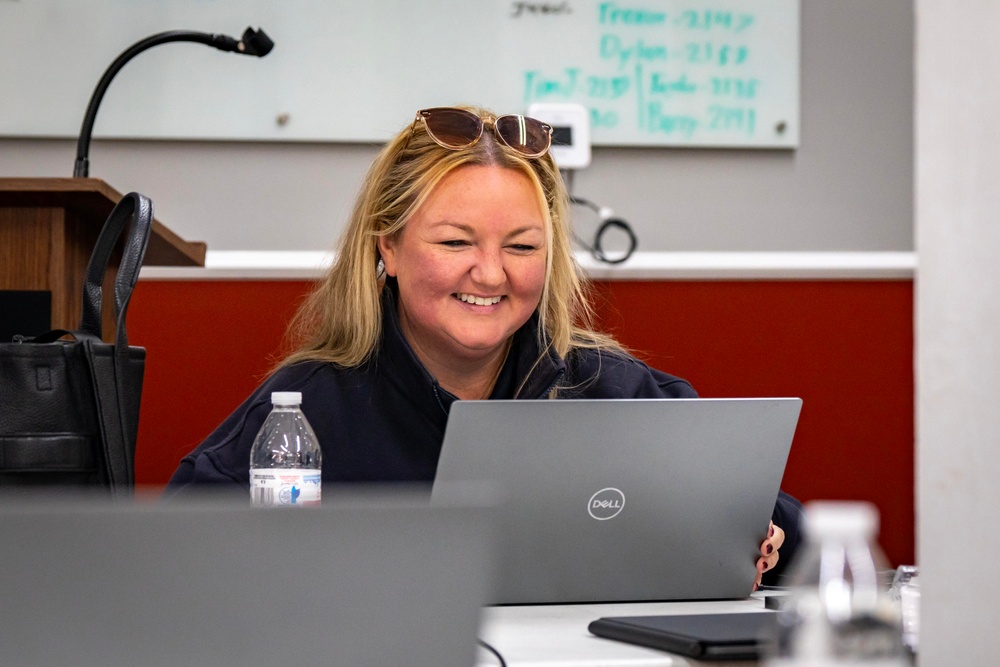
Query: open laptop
point(351, 583)
point(622, 500)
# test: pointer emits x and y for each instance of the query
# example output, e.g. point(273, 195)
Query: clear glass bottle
point(286, 461)
point(839, 611)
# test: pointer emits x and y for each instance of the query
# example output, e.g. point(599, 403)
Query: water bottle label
point(280, 487)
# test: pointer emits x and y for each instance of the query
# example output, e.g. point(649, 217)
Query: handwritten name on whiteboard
point(674, 72)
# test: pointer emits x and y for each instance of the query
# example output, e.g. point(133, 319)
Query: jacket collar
point(523, 362)
point(417, 383)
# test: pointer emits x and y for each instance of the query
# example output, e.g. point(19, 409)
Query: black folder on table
point(739, 636)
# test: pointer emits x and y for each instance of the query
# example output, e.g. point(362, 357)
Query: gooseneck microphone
point(253, 43)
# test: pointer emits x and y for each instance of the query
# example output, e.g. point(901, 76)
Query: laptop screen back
point(345, 584)
point(623, 500)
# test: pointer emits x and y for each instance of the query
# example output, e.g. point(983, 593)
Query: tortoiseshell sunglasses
point(458, 128)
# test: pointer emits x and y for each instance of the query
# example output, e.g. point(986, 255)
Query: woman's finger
point(775, 538)
point(765, 563)
point(769, 552)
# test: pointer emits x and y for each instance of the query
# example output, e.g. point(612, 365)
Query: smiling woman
point(454, 279)
point(471, 261)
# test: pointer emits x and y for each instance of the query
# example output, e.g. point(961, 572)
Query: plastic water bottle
point(839, 611)
point(285, 461)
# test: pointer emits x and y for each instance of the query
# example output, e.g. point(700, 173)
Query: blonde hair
point(340, 321)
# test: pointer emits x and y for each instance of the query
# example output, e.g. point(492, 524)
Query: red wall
point(845, 347)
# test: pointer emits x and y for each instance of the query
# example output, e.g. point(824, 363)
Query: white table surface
point(557, 635)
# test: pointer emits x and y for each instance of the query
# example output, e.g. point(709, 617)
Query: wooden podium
point(48, 228)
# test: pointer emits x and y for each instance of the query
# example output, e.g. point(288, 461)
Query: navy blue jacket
point(384, 421)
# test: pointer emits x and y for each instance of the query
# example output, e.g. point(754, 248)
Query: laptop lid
point(623, 500)
point(350, 583)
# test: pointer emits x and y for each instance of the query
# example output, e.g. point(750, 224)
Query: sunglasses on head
point(458, 128)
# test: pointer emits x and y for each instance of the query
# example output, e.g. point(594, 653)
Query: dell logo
point(606, 504)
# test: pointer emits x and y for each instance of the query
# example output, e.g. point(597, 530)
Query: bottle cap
point(286, 397)
point(841, 519)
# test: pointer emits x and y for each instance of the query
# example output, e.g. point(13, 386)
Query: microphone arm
point(253, 43)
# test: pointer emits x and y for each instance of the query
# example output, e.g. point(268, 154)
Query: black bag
point(69, 409)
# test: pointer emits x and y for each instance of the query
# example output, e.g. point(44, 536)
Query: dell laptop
point(356, 582)
point(622, 500)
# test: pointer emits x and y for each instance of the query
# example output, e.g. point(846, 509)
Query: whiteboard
point(651, 73)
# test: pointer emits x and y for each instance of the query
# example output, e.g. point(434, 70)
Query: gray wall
point(847, 187)
point(958, 315)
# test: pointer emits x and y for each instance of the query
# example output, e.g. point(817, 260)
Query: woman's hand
point(769, 552)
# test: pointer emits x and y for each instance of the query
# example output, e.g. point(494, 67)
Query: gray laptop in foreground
point(367, 583)
point(622, 500)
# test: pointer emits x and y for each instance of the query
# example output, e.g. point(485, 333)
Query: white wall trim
point(756, 266)
point(309, 265)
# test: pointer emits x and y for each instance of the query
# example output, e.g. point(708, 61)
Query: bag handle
point(139, 209)
point(115, 428)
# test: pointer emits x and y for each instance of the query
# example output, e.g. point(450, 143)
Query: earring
point(380, 269)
